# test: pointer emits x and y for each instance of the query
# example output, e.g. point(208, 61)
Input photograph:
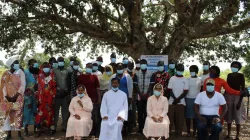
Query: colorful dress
point(45, 97)
point(83, 126)
point(11, 84)
point(28, 115)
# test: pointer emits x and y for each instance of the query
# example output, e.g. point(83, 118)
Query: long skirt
point(79, 128)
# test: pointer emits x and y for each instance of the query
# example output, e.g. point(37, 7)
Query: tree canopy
point(211, 29)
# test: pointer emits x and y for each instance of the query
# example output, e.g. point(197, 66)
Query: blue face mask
point(211, 75)
point(80, 95)
point(95, 68)
point(75, 67)
point(161, 68)
point(171, 66)
point(109, 73)
point(115, 89)
point(144, 66)
point(210, 88)
point(35, 65)
point(157, 93)
point(99, 63)
point(192, 74)
point(60, 64)
point(234, 70)
point(205, 67)
point(71, 63)
point(88, 70)
point(113, 60)
point(46, 70)
point(55, 65)
point(16, 66)
point(120, 71)
point(125, 61)
point(180, 73)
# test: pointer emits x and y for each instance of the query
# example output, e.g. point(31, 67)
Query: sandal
point(237, 138)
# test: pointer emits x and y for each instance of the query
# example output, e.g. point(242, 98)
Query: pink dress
point(82, 127)
point(156, 108)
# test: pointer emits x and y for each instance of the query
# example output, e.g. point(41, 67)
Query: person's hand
point(160, 119)
point(155, 119)
point(202, 119)
point(216, 120)
point(77, 117)
point(238, 106)
point(176, 101)
point(120, 118)
point(105, 118)
point(80, 103)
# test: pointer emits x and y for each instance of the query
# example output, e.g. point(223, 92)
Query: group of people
point(104, 101)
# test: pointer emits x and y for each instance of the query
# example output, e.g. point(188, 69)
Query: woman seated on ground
point(80, 123)
point(157, 122)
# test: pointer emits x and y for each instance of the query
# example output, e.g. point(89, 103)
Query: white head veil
point(162, 91)
point(10, 61)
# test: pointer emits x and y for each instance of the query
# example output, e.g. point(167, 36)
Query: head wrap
point(11, 60)
point(161, 87)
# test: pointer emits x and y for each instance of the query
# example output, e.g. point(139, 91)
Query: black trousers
point(96, 118)
point(142, 113)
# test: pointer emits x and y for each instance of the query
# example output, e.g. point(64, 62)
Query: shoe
point(52, 132)
point(139, 132)
point(38, 134)
point(64, 130)
point(8, 138)
point(20, 138)
point(26, 132)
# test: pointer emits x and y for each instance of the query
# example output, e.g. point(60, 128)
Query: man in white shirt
point(114, 110)
point(207, 104)
point(95, 69)
point(178, 89)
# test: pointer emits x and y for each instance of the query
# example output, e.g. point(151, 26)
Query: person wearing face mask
point(125, 62)
point(113, 61)
point(53, 63)
point(114, 111)
point(11, 97)
point(137, 65)
point(95, 69)
point(171, 67)
point(214, 73)
point(62, 94)
point(91, 83)
point(126, 85)
point(178, 88)
point(31, 75)
point(80, 123)
point(105, 78)
point(236, 81)
point(207, 104)
point(71, 61)
point(99, 59)
point(46, 100)
point(143, 92)
point(195, 84)
point(132, 107)
point(161, 76)
point(72, 79)
point(157, 119)
point(205, 74)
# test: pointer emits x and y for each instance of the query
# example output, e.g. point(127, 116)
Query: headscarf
point(105, 76)
point(11, 60)
point(162, 91)
point(85, 91)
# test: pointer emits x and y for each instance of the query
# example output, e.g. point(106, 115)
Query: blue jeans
point(203, 128)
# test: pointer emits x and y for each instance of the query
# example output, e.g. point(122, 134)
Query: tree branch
point(244, 25)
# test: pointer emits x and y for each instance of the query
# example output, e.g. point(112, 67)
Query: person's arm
point(104, 108)
point(228, 89)
point(88, 106)
point(151, 85)
point(97, 84)
point(149, 108)
point(2, 86)
point(124, 110)
point(165, 110)
point(222, 103)
point(23, 83)
point(197, 111)
point(71, 107)
point(242, 88)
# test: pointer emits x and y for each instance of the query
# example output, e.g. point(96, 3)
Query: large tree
point(134, 27)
